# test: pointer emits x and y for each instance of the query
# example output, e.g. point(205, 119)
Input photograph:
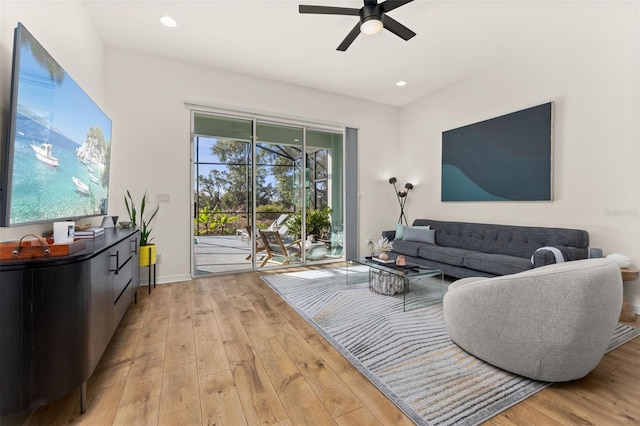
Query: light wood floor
point(228, 351)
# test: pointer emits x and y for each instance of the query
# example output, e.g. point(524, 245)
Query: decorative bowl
point(125, 224)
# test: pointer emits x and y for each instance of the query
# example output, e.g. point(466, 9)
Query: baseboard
point(165, 279)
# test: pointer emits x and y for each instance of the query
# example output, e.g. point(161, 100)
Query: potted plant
point(147, 249)
point(317, 222)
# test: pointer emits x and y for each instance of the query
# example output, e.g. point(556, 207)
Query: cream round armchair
point(552, 323)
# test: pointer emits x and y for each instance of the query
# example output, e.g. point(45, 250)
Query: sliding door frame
point(349, 162)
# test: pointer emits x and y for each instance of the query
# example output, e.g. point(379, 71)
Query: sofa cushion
point(407, 248)
point(400, 230)
point(498, 264)
point(450, 255)
point(427, 236)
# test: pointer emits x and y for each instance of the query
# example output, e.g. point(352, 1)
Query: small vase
point(383, 256)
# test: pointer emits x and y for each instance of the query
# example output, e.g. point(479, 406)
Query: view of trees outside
point(223, 185)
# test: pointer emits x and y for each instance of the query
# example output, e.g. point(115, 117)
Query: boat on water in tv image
point(43, 153)
point(82, 187)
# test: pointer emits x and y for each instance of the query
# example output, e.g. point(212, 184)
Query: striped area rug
point(407, 355)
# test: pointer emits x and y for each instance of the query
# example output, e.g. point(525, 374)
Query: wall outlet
point(163, 198)
point(158, 258)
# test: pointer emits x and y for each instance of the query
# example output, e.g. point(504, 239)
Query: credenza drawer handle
point(117, 256)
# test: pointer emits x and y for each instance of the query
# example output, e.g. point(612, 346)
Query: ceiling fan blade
point(349, 38)
point(397, 28)
point(393, 4)
point(328, 10)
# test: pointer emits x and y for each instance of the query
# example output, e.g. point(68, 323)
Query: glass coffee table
point(387, 278)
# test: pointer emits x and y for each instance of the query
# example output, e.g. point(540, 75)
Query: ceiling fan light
point(371, 26)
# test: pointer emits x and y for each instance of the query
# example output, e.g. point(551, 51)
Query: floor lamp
point(402, 198)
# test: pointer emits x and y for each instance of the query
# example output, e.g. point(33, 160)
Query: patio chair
point(278, 223)
point(259, 243)
point(242, 233)
point(277, 251)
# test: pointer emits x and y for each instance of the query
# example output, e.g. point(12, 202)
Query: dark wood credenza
point(57, 316)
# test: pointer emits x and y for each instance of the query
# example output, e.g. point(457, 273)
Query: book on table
point(377, 259)
point(89, 233)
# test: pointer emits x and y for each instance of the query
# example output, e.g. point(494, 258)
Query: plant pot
point(383, 256)
point(148, 255)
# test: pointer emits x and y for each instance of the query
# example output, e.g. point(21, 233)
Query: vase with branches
point(381, 247)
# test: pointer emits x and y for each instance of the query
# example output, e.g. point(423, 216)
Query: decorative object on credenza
point(64, 232)
point(402, 198)
point(506, 158)
point(109, 222)
point(33, 246)
point(90, 233)
point(621, 259)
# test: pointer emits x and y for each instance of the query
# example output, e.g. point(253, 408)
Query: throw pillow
point(427, 236)
point(400, 230)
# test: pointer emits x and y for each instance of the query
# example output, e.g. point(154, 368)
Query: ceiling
point(270, 39)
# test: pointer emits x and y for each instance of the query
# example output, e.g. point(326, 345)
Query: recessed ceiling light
point(168, 21)
point(401, 83)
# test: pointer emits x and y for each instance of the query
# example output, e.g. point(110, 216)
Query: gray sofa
point(462, 249)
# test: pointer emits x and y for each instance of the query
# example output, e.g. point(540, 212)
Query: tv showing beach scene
point(58, 150)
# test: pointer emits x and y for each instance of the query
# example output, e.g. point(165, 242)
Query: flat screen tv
point(506, 158)
point(58, 145)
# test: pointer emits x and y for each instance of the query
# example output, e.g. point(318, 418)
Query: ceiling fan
point(373, 17)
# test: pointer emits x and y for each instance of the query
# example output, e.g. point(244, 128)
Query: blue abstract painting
point(507, 158)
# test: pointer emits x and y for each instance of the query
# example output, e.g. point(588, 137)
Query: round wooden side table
point(627, 314)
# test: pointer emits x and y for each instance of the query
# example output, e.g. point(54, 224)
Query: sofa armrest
point(547, 257)
point(389, 235)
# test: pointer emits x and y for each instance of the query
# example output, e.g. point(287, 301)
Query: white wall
point(151, 149)
point(592, 76)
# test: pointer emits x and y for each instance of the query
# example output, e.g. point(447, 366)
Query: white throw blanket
point(556, 252)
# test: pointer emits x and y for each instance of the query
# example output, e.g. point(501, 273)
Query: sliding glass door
point(278, 185)
point(266, 194)
point(222, 193)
